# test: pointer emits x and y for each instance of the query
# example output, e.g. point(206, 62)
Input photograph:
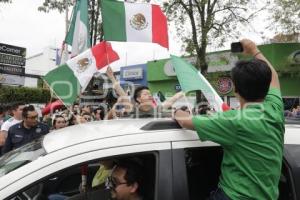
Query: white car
point(178, 166)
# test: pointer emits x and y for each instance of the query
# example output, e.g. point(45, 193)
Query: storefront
point(133, 76)
point(285, 57)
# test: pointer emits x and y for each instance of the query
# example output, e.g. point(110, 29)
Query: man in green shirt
point(252, 137)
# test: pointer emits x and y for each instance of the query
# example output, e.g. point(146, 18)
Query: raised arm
point(251, 49)
point(168, 103)
point(116, 84)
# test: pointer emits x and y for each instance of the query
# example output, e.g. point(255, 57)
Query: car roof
point(81, 133)
point(94, 131)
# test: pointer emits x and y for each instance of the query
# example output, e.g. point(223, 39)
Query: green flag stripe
point(69, 36)
point(187, 75)
point(84, 18)
point(114, 25)
point(64, 84)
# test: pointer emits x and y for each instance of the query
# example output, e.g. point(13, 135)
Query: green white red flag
point(78, 35)
point(134, 22)
point(70, 79)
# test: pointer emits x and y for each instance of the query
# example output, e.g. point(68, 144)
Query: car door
point(163, 175)
point(196, 168)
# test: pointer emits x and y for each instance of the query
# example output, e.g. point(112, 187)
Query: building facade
point(285, 57)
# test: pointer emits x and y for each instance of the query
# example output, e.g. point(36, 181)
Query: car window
point(203, 169)
point(91, 180)
point(290, 176)
point(21, 156)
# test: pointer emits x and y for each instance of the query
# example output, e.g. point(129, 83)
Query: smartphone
point(236, 47)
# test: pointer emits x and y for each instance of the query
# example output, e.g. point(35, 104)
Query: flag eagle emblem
point(138, 22)
point(83, 64)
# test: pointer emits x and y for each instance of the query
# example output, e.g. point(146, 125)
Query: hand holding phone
point(236, 47)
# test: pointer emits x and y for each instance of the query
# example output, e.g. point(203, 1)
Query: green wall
point(290, 86)
point(156, 71)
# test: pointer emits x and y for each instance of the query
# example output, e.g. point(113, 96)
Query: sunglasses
point(113, 183)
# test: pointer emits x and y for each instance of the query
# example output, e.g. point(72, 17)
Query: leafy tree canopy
point(285, 16)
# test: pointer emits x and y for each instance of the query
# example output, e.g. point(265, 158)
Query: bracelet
point(256, 54)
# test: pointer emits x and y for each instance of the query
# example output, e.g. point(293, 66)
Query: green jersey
point(252, 139)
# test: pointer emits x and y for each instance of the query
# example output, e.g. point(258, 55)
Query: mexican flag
point(134, 22)
point(68, 80)
point(78, 34)
point(191, 79)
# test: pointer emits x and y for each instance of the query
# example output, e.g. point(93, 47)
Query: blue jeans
point(218, 194)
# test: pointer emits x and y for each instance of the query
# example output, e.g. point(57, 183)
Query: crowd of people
point(294, 113)
point(253, 147)
point(20, 123)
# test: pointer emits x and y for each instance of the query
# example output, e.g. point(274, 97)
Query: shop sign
point(133, 74)
point(223, 61)
point(169, 69)
point(12, 50)
point(15, 70)
point(12, 60)
point(224, 85)
point(294, 58)
point(12, 79)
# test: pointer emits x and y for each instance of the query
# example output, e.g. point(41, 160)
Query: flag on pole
point(64, 54)
point(134, 22)
point(78, 34)
point(68, 80)
point(191, 79)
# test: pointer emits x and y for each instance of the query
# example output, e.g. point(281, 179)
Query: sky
point(23, 25)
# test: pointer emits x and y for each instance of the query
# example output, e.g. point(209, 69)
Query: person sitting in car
point(97, 188)
point(126, 181)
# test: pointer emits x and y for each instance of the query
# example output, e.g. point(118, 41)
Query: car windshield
point(21, 156)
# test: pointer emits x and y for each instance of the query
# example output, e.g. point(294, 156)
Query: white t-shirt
point(8, 123)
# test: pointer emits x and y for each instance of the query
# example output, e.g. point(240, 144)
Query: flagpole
point(53, 92)
point(64, 46)
point(67, 16)
point(107, 58)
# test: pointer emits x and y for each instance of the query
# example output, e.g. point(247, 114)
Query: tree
point(285, 16)
point(279, 38)
point(96, 31)
point(211, 22)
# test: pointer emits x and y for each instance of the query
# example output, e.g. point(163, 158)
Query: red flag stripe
point(159, 27)
point(104, 54)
